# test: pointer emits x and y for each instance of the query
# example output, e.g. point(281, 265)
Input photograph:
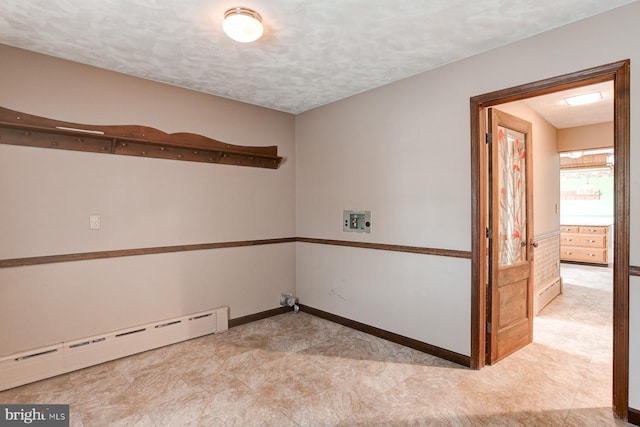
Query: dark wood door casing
point(619, 73)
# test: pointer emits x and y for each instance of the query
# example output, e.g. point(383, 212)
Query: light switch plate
point(94, 222)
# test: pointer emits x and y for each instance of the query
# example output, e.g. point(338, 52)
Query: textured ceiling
point(313, 52)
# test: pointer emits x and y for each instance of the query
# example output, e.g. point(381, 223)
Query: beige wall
point(599, 135)
point(403, 151)
point(634, 347)
point(48, 195)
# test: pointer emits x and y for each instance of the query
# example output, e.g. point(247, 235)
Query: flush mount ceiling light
point(575, 154)
point(242, 25)
point(587, 98)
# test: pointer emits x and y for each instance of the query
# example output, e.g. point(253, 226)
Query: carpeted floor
point(299, 370)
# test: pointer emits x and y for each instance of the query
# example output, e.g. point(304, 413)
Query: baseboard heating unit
point(546, 294)
point(44, 362)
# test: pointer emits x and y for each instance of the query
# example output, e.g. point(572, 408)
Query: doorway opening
point(618, 73)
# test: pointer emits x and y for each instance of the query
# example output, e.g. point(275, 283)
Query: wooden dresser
point(584, 243)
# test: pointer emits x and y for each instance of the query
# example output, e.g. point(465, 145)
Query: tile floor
point(299, 370)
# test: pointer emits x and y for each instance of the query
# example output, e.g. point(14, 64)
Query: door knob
point(534, 244)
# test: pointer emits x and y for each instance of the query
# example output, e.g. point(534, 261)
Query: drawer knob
point(591, 241)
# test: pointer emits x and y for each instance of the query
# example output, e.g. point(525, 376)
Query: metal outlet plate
point(356, 221)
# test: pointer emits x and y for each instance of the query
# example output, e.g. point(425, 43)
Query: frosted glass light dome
point(243, 25)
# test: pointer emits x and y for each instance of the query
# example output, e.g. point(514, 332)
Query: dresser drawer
point(569, 229)
point(570, 253)
point(593, 230)
point(589, 241)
